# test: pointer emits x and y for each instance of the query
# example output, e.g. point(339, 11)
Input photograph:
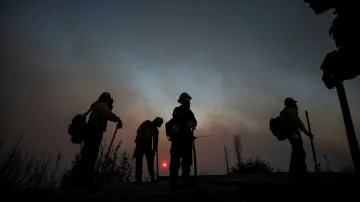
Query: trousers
point(149, 154)
point(89, 154)
point(298, 155)
point(180, 155)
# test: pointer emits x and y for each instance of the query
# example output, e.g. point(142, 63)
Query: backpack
point(278, 129)
point(77, 128)
point(168, 128)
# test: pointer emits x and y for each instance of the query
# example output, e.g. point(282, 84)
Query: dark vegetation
point(118, 167)
point(248, 166)
point(23, 170)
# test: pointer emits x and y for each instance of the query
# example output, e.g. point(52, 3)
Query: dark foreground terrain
point(274, 187)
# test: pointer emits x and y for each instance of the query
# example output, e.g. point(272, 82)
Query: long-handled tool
point(111, 143)
point(157, 165)
point(194, 150)
point(106, 162)
point(157, 159)
point(312, 143)
point(194, 153)
point(195, 161)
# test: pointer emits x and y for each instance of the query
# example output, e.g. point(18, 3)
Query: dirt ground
point(216, 188)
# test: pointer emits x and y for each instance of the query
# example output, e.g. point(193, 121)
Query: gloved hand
point(296, 136)
point(309, 134)
point(175, 128)
point(154, 152)
point(119, 124)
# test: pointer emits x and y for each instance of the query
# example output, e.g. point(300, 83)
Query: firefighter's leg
point(150, 164)
point(301, 156)
point(174, 163)
point(186, 160)
point(88, 158)
point(84, 159)
point(297, 163)
point(138, 167)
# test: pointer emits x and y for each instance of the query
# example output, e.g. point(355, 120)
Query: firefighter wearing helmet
point(147, 144)
point(183, 124)
point(290, 115)
point(96, 126)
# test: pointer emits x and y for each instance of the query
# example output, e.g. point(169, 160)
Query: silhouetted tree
point(341, 64)
point(237, 148)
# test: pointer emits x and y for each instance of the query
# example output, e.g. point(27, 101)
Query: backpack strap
point(91, 107)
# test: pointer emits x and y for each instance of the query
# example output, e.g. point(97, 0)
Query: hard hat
point(184, 97)
point(105, 96)
point(289, 101)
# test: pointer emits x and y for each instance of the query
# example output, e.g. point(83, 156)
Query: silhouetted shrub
point(20, 170)
point(118, 167)
point(252, 166)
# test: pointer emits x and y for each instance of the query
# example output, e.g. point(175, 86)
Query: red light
point(164, 164)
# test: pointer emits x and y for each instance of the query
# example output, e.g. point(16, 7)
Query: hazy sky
point(237, 59)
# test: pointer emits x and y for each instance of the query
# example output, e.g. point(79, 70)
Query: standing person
point(147, 144)
point(96, 126)
point(182, 125)
point(290, 116)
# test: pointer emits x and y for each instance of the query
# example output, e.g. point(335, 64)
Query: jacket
point(100, 115)
point(182, 117)
point(147, 135)
point(291, 117)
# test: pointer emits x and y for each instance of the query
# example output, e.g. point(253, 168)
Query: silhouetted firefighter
point(287, 126)
point(342, 64)
point(180, 132)
point(96, 126)
point(147, 144)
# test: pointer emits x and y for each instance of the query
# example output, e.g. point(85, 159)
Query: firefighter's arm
point(176, 119)
point(193, 122)
point(105, 112)
point(293, 114)
point(155, 141)
point(194, 119)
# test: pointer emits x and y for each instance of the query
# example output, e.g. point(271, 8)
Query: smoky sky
point(237, 59)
